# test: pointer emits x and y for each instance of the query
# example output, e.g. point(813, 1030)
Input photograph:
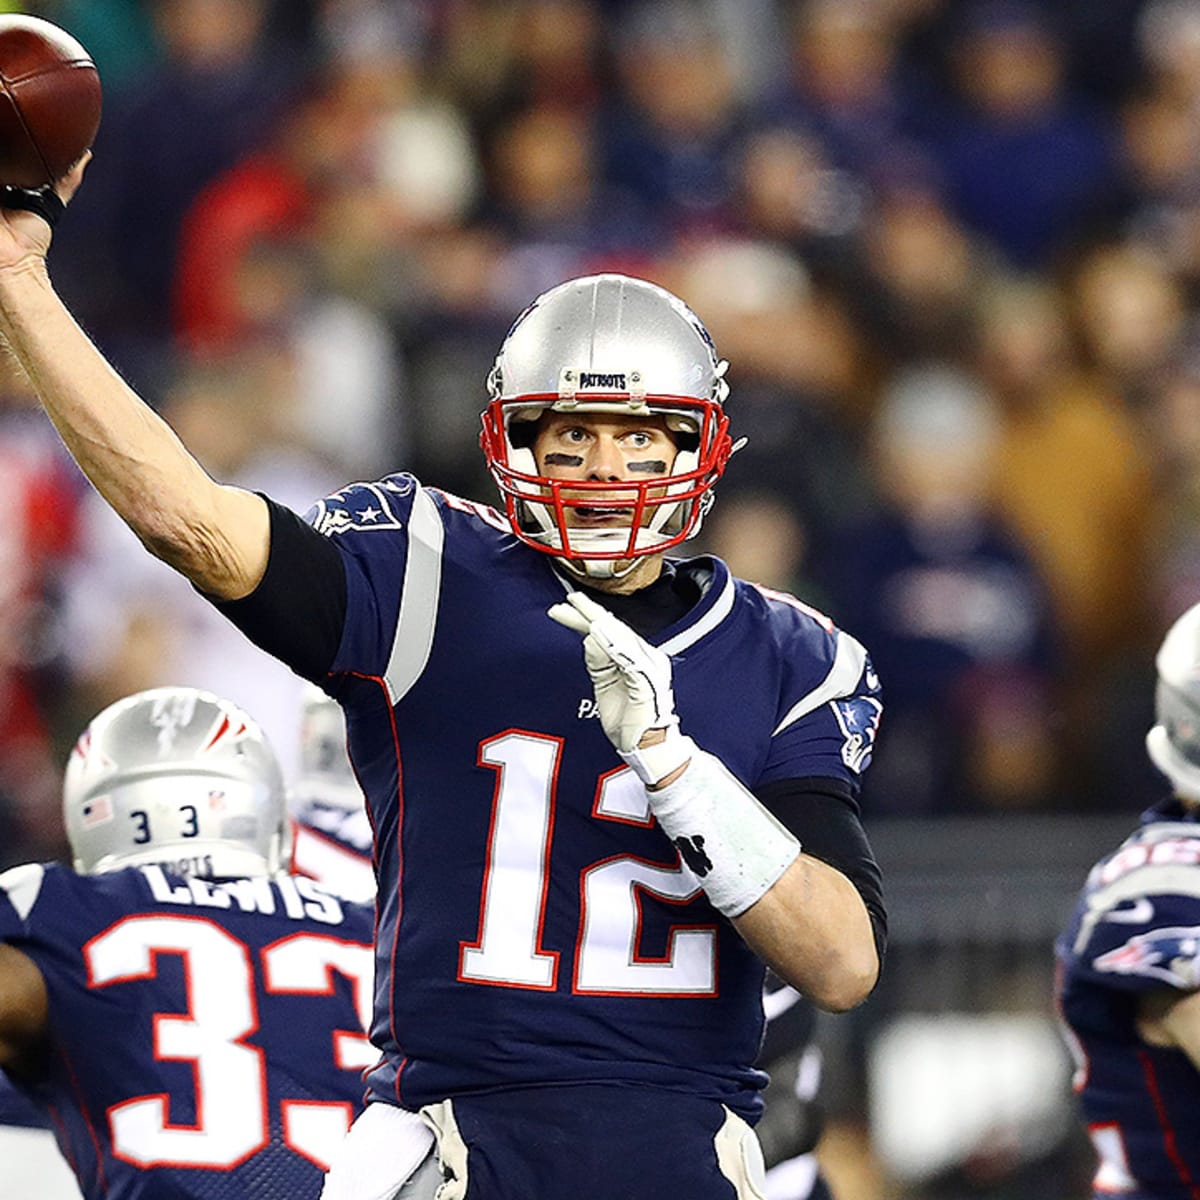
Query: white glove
point(632, 682)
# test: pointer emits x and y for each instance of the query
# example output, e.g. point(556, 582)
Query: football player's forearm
point(213, 535)
point(812, 928)
point(23, 1005)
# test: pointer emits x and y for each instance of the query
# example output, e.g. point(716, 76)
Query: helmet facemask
point(582, 332)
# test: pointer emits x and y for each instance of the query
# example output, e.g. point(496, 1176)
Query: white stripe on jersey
point(22, 885)
point(722, 607)
point(418, 597)
point(843, 677)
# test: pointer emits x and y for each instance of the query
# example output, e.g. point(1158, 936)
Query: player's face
point(601, 448)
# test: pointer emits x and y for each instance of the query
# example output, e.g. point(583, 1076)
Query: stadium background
point(951, 250)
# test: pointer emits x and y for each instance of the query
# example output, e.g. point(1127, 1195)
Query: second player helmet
point(180, 777)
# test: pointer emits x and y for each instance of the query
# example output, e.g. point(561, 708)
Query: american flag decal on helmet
point(97, 811)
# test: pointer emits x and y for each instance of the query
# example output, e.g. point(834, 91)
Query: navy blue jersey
point(535, 925)
point(1136, 930)
point(17, 1109)
point(333, 846)
point(206, 1038)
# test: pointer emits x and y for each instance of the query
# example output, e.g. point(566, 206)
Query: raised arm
point(24, 1012)
point(215, 535)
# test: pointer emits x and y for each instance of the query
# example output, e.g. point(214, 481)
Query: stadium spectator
point(953, 606)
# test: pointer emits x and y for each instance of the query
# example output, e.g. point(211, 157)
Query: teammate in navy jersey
point(188, 1017)
point(606, 787)
point(332, 834)
point(1129, 965)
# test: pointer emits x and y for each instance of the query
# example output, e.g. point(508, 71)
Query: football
point(50, 105)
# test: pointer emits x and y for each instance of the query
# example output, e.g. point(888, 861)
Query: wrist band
point(652, 763)
point(44, 201)
point(732, 844)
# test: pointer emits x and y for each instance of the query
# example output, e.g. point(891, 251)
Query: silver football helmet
point(325, 771)
point(1174, 741)
point(609, 344)
point(179, 777)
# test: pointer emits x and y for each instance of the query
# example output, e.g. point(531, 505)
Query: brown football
point(49, 101)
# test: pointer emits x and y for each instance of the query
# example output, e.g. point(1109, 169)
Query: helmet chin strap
point(600, 568)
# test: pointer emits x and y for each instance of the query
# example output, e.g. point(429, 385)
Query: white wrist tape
point(732, 844)
point(656, 762)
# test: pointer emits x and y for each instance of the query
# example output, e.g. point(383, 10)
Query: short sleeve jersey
point(206, 1038)
point(1136, 930)
point(535, 925)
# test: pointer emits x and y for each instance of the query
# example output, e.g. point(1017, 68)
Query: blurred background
point(952, 251)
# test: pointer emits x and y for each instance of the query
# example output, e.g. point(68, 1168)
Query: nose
point(605, 461)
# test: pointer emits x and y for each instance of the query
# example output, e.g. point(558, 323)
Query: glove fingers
point(596, 656)
point(586, 606)
point(564, 614)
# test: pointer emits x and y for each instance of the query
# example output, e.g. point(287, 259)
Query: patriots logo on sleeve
point(360, 508)
point(1166, 954)
point(858, 719)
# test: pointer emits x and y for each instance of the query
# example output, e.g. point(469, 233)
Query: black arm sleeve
point(298, 610)
point(824, 815)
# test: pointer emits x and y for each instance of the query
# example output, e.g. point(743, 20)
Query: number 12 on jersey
point(509, 950)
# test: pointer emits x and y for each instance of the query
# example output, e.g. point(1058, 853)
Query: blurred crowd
point(950, 248)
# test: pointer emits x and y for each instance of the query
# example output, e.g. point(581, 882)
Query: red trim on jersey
point(787, 598)
point(289, 1137)
point(362, 987)
point(638, 890)
point(641, 823)
point(1170, 1142)
point(381, 683)
point(81, 1104)
point(539, 948)
point(164, 1098)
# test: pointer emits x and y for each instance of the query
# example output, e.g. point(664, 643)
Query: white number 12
point(509, 951)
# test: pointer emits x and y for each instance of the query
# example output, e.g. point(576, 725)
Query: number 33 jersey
point(535, 925)
point(206, 1038)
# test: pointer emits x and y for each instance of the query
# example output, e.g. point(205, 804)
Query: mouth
point(586, 514)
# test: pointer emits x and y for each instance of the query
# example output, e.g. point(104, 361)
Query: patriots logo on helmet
point(858, 718)
point(1166, 954)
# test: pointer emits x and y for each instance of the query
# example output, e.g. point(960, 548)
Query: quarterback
point(607, 787)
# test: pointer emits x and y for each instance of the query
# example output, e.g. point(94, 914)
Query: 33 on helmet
point(176, 776)
point(607, 344)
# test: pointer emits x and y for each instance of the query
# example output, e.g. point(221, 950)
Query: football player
point(332, 834)
point(189, 1016)
point(606, 786)
point(1129, 964)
